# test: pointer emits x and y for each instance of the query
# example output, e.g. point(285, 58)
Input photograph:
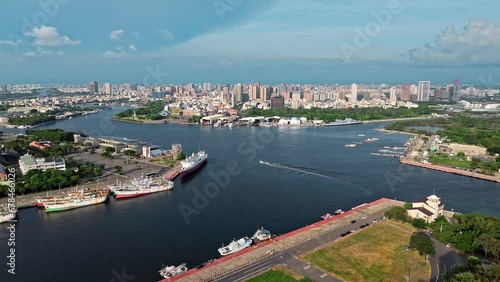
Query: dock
point(451, 170)
point(172, 173)
point(306, 238)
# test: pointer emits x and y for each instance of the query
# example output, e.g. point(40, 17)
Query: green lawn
point(279, 274)
point(375, 253)
point(450, 162)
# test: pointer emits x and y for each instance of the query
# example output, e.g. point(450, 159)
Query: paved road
point(289, 257)
point(444, 259)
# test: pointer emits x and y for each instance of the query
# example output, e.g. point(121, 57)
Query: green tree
point(463, 277)
point(397, 213)
point(129, 153)
point(423, 244)
point(419, 223)
point(408, 206)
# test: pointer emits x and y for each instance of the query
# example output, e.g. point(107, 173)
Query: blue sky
point(272, 41)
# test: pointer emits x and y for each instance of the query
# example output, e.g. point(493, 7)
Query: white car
point(374, 221)
point(364, 217)
point(353, 230)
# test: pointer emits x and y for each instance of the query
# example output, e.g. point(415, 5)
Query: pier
point(451, 170)
point(172, 173)
point(284, 248)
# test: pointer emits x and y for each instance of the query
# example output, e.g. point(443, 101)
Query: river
point(307, 172)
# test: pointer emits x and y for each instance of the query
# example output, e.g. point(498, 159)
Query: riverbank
point(140, 121)
point(451, 170)
point(398, 119)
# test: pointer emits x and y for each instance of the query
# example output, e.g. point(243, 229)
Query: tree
point(408, 206)
point(181, 156)
point(119, 169)
point(423, 244)
point(419, 223)
point(463, 277)
point(487, 243)
point(129, 153)
point(397, 213)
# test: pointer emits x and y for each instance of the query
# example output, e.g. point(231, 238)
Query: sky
point(270, 41)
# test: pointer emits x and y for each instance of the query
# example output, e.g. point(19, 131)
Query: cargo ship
point(261, 235)
point(193, 162)
point(235, 246)
point(78, 201)
point(347, 121)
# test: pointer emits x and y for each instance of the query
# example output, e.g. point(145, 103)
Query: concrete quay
point(285, 248)
point(451, 170)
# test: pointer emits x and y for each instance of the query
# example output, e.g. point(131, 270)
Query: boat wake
point(303, 170)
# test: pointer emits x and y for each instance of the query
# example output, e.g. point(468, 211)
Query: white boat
point(140, 188)
point(361, 135)
point(235, 246)
point(339, 211)
point(261, 235)
point(168, 272)
point(193, 162)
point(6, 214)
point(351, 145)
point(76, 202)
point(326, 216)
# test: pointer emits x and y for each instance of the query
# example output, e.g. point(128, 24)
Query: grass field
point(375, 253)
point(279, 274)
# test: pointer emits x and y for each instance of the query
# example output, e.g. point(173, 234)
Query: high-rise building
point(413, 90)
point(254, 92)
point(453, 93)
point(277, 102)
point(93, 87)
point(265, 93)
point(392, 96)
point(4, 89)
point(424, 89)
point(107, 88)
point(354, 93)
point(405, 92)
point(238, 93)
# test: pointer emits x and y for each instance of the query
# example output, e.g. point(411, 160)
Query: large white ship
point(193, 162)
point(88, 199)
point(235, 246)
point(347, 121)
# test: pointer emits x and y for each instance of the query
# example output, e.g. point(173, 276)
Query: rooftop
point(423, 210)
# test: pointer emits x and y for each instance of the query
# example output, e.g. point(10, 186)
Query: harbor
point(305, 237)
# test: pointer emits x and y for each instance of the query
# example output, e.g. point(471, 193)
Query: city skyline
point(392, 42)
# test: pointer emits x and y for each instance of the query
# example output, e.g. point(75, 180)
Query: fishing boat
point(235, 246)
point(78, 201)
point(168, 272)
point(339, 211)
point(261, 235)
point(326, 216)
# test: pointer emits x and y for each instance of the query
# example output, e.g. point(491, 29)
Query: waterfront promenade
point(451, 170)
point(285, 248)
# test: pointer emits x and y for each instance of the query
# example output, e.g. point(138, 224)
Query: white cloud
point(10, 42)
point(49, 36)
point(60, 53)
point(116, 34)
point(43, 52)
point(29, 54)
point(477, 43)
point(136, 34)
point(119, 52)
point(165, 34)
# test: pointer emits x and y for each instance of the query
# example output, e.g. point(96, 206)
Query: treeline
point(329, 115)
point(33, 119)
point(460, 129)
point(149, 111)
point(39, 181)
point(54, 135)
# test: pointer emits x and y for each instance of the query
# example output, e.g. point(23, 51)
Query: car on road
point(364, 225)
point(353, 221)
point(353, 230)
point(364, 217)
point(343, 234)
point(374, 221)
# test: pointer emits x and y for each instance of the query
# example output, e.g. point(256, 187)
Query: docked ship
point(171, 271)
point(78, 201)
point(6, 214)
point(261, 235)
point(326, 216)
point(339, 211)
point(347, 121)
point(235, 246)
point(193, 162)
point(132, 191)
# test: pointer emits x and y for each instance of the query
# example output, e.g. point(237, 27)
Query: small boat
point(361, 135)
point(350, 145)
point(339, 211)
point(371, 140)
point(235, 246)
point(168, 272)
point(261, 235)
point(358, 143)
point(326, 216)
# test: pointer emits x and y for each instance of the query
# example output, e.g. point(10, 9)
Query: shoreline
point(451, 170)
point(397, 119)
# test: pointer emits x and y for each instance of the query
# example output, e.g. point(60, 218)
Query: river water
point(306, 173)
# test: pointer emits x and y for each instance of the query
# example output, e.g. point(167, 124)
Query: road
point(444, 259)
point(289, 257)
